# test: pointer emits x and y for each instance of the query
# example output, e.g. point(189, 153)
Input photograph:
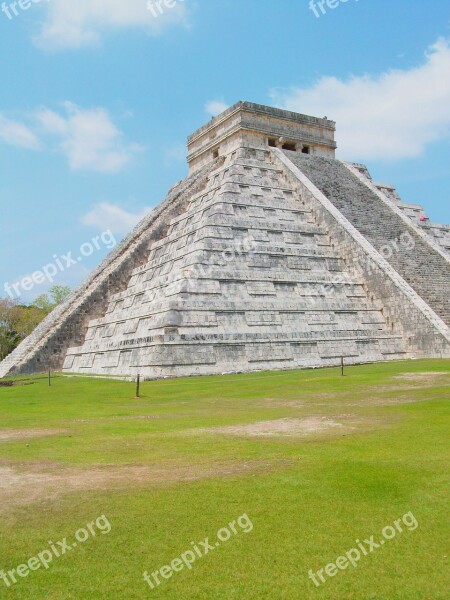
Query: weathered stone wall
point(425, 333)
point(425, 268)
point(439, 234)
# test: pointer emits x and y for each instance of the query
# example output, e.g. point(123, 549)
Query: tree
point(26, 319)
point(18, 321)
point(8, 335)
point(54, 297)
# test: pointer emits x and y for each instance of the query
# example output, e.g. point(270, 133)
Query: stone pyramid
point(272, 254)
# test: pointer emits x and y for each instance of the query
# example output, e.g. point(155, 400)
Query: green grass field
point(340, 459)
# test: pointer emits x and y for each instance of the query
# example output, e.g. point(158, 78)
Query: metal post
point(342, 366)
point(138, 384)
point(49, 379)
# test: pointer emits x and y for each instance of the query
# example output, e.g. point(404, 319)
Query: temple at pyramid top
point(257, 126)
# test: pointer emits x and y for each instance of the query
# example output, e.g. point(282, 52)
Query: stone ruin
point(271, 254)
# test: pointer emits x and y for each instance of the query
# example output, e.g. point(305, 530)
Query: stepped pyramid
point(271, 254)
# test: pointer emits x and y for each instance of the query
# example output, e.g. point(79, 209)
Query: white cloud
point(390, 116)
point(215, 107)
point(18, 134)
point(73, 24)
point(106, 216)
point(88, 138)
point(52, 122)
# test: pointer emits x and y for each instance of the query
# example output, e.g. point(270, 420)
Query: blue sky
point(97, 98)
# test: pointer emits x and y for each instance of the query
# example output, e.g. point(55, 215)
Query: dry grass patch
point(14, 435)
point(28, 483)
point(287, 427)
point(427, 377)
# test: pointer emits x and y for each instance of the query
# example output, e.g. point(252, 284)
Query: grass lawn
point(315, 460)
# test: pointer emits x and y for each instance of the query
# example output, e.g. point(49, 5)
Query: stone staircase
point(420, 264)
point(437, 232)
